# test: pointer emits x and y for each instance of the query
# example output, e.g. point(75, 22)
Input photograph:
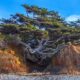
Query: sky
point(68, 9)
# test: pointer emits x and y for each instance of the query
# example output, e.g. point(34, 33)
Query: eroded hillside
point(67, 61)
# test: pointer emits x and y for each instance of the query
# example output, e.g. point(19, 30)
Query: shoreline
point(44, 77)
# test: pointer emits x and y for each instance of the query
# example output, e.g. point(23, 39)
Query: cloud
point(72, 18)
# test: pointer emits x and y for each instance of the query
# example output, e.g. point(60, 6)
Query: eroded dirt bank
point(67, 60)
point(10, 62)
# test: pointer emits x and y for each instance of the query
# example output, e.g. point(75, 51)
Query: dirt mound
point(67, 61)
point(11, 63)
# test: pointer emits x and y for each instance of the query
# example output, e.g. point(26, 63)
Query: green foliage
point(31, 25)
point(2, 37)
point(25, 37)
point(45, 34)
point(10, 26)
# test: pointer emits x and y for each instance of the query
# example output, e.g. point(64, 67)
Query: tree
point(43, 12)
point(35, 10)
point(28, 8)
point(75, 24)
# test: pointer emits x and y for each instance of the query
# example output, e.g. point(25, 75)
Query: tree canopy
point(39, 20)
